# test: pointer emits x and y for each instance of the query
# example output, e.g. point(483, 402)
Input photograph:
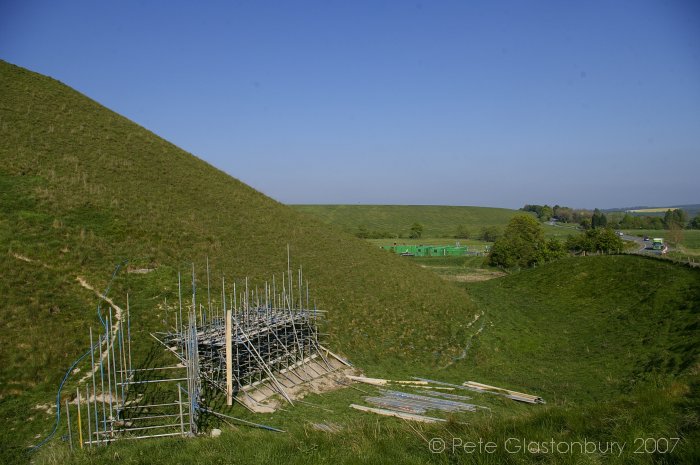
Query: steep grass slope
point(583, 329)
point(82, 189)
point(438, 221)
point(611, 343)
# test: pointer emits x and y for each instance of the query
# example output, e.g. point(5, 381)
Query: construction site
point(255, 347)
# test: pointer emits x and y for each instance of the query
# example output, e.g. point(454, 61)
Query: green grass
point(610, 342)
point(473, 245)
point(561, 231)
point(615, 359)
point(83, 188)
point(576, 309)
point(458, 269)
point(438, 221)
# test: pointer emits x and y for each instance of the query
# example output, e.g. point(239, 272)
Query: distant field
point(472, 244)
point(458, 269)
point(560, 232)
point(437, 221)
point(653, 210)
point(690, 209)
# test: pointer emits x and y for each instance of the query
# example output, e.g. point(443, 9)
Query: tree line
point(592, 219)
point(486, 233)
point(415, 232)
point(523, 244)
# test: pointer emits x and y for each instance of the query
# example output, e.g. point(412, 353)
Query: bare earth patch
point(484, 275)
point(297, 383)
point(467, 276)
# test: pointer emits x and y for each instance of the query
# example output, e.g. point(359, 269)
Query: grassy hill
point(622, 319)
point(438, 221)
point(610, 342)
point(82, 189)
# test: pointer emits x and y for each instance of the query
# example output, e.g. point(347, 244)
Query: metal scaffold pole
point(260, 339)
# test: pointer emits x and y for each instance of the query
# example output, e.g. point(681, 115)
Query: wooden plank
point(515, 395)
point(402, 415)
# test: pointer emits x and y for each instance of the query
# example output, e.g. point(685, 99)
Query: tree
point(655, 222)
point(677, 217)
point(595, 240)
point(546, 213)
point(675, 235)
point(543, 212)
point(695, 223)
point(522, 244)
point(598, 220)
point(554, 249)
point(563, 214)
point(416, 231)
point(536, 209)
point(582, 217)
point(629, 222)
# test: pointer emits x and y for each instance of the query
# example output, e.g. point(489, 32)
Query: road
point(644, 246)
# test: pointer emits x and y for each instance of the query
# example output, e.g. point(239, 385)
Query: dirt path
point(117, 317)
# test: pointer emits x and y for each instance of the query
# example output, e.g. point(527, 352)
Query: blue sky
point(587, 104)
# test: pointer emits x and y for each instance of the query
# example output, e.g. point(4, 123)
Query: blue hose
point(78, 360)
point(58, 400)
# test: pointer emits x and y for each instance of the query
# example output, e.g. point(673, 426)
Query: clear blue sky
point(581, 103)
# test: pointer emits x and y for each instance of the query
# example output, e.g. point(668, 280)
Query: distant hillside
point(692, 210)
point(83, 188)
point(438, 221)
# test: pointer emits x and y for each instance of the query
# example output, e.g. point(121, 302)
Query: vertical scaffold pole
point(80, 425)
point(179, 403)
point(208, 314)
point(128, 331)
point(94, 391)
point(102, 389)
point(109, 341)
point(70, 432)
point(115, 402)
point(289, 277)
point(87, 398)
point(229, 380)
point(179, 294)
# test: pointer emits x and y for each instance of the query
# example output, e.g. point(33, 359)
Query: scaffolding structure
point(257, 338)
point(253, 344)
point(119, 399)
